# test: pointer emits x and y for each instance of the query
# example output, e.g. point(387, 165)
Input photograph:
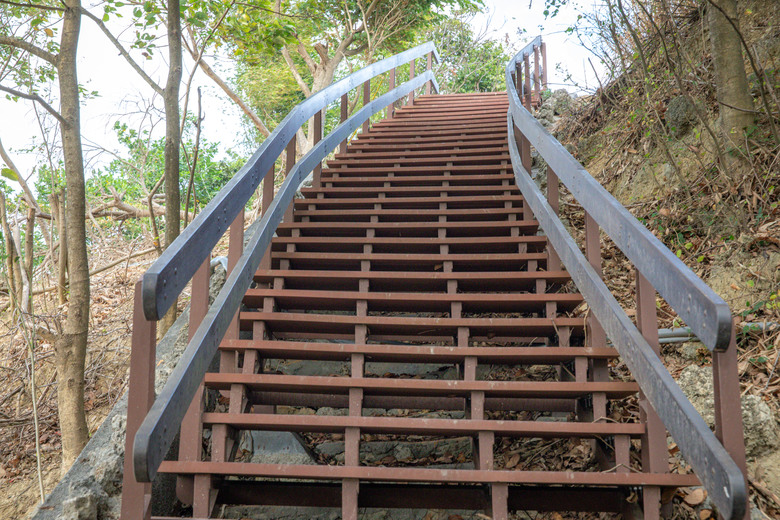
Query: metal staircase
point(420, 244)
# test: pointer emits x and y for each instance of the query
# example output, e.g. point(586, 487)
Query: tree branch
point(13, 41)
point(297, 75)
point(306, 58)
point(34, 97)
point(157, 88)
point(232, 95)
point(36, 6)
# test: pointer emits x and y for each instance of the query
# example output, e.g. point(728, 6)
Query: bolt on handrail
point(153, 423)
point(657, 269)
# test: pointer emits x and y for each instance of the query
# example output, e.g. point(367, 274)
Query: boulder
point(761, 435)
point(680, 115)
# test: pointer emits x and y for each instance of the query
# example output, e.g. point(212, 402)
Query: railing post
point(268, 197)
point(289, 162)
point(537, 82)
point(544, 66)
point(366, 101)
point(317, 138)
point(553, 198)
point(411, 77)
point(344, 113)
point(728, 406)
point(136, 495)
point(429, 85)
point(654, 450)
point(391, 86)
point(191, 435)
point(527, 83)
point(596, 335)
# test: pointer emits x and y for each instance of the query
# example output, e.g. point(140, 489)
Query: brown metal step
point(477, 201)
point(437, 160)
point(377, 352)
point(391, 192)
point(429, 245)
point(474, 150)
point(409, 326)
point(417, 302)
point(400, 215)
point(409, 280)
point(455, 476)
point(421, 426)
point(429, 387)
point(415, 180)
point(482, 228)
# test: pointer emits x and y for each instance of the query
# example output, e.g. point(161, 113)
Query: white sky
point(101, 69)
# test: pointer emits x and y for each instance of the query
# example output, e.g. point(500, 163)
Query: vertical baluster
point(411, 77)
point(366, 101)
point(728, 408)
point(596, 337)
point(289, 163)
point(654, 452)
point(344, 110)
point(391, 86)
point(268, 198)
point(544, 66)
point(525, 143)
point(140, 399)
point(553, 197)
point(191, 435)
point(527, 82)
point(429, 85)
point(317, 138)
point(537, 83)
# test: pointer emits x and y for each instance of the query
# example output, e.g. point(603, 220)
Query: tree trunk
point(71, 346)
point(736, 103)
point(172, 142)
point(58, 212)
point(29, 243)
point(9, 253)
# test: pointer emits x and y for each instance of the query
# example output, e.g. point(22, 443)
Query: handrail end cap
point(149, 296)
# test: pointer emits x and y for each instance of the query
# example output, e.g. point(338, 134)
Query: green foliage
point(35, 26)
point(469, 63)
point(134, 177)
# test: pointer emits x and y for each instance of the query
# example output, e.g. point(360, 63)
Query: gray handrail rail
point(157, 432)
point(706, 313)
point(170, 273)
point(719, 473)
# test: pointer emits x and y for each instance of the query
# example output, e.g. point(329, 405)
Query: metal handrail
point(705, 312)
point(167, 277)
point(156, 434)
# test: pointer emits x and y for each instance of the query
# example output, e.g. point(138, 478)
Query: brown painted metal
point(407, 474)
point(366, 101)
point(410, 102)
point(414, 247)
point(136, 497)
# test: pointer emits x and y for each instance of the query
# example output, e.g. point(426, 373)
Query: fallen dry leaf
point(513, 460)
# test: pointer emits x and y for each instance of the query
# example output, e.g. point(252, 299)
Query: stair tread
point(406, 474)
point(420, 426)
point(425, 387)
point(416, 353)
